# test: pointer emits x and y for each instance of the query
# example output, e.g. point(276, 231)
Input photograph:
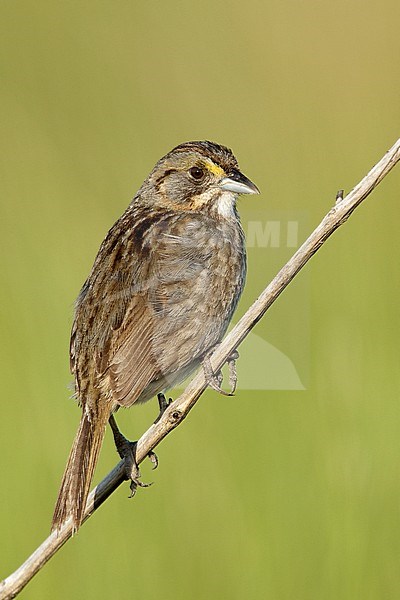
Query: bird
point(160, 296)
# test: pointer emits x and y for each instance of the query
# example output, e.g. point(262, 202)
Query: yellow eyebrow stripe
point(214, 169)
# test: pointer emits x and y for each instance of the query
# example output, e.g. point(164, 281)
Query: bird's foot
point(163, 403)
point(127, 451)
point(214, 380)
point(232, 370)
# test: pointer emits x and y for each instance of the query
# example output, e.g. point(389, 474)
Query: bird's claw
point(232, 370)
point(127, 451)
point(135, 483)
point(163, 403)
point(214, 380)
point(132, 471)
point(153, 459)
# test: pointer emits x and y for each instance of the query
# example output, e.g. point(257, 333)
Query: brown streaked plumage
point(160, 295)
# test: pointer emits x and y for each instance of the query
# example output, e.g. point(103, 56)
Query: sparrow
point(161, 293)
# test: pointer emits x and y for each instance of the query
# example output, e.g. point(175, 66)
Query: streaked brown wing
point(132, 364)
point(113, 325)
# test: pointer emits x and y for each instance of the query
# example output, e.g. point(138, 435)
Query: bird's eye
point(197, 173)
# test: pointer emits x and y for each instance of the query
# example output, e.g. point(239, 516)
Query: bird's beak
point(238, 183)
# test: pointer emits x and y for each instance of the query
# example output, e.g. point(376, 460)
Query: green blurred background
point(276, 494)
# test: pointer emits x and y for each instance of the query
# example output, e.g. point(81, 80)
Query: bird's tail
point(79, 471)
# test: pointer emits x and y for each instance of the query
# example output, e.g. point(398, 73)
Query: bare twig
point(177, 411)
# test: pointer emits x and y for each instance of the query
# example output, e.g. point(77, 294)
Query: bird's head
point(197, 176)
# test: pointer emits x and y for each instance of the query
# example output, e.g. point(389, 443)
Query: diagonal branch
point(177, 411)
